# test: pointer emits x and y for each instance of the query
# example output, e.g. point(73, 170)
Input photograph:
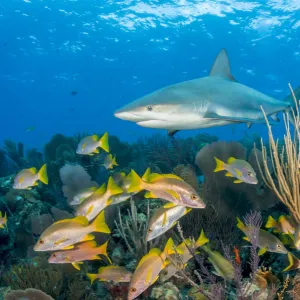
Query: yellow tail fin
point(100, 225)
point(92, 277)
point(293, 262)
point(202, 240)
point(103, 250)
point(240, 225)
point(136, 183)
point(113, 188)
point(103, 142)
point(114, 161)
point(43, 177)
point(220, 165)
point(170, 247)
point(271, 222)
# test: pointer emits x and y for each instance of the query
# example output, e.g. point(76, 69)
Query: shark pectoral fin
point(221, 67)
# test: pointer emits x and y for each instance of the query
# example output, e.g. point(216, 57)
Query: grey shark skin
point(210, 101)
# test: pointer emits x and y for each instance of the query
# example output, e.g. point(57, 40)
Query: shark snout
point(127, 115)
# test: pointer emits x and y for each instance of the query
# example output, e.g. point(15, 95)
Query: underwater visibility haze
point(150, 149)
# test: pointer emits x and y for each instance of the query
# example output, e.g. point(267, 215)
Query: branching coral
point(286, 168)
point(49, 280)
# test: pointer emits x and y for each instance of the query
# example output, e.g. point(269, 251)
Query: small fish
point(148, 269)
point(111, 273)
point(237, 257)
point(169, 187)
point(223, 267)
point(27, 178)
point(99, 200)
point(81, 252)
point(237, 168)
point(294, 262)
point(163, 219)
point(110, 161)
point(89, 145)
point(285, 224)
point(83, 194)
point(62, 235)
point(266, 240)
point(123, 182)
point(182, 256)
point(3, 220)
point(30, 128)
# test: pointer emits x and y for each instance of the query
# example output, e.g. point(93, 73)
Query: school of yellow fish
point(72, 240)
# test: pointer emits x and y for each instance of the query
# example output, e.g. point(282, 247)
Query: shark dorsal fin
point(221, 66)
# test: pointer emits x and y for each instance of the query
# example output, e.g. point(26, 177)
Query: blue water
point(112, 52)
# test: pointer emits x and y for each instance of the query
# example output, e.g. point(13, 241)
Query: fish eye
point(149, 108)
point(249, 173)
point(41, 242)
point(278, 246)
point(133, 289)
point(193, 197)
point(165, 272)
point(150, 230)
point(54, 255)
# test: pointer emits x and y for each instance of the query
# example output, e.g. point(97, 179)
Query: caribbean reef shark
point(215, 100)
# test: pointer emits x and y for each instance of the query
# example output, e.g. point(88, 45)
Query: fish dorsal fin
point(95, 137)
point(81, 220)
point(155, 176)
point(33, 170)
point(155, 251)
point(88, 245)
point(231, 160)
point(221, 66)
point(101, 190)
point(146, 175)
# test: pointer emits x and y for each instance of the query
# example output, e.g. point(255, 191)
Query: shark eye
point(133, 289)
point(193, 197)
point(149, 108)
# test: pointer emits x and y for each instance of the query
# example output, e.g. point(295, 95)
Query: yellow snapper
point(89, 145)
point(163, 219)
point(82, 195)
point(285, 224)
point(110, 161)
point(237, 168)
point(98, 201)
point(182, 256)
point(111, 273)
point(27, 178)
point(169, 187)
point(266, 240)
point(3, 220)
point(222, 266)
point(123, 182)
point(62, 235)
point(81, 252)
point(148, 269)
point(294, 262)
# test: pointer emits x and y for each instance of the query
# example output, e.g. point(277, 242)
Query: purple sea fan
point(74, 178)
